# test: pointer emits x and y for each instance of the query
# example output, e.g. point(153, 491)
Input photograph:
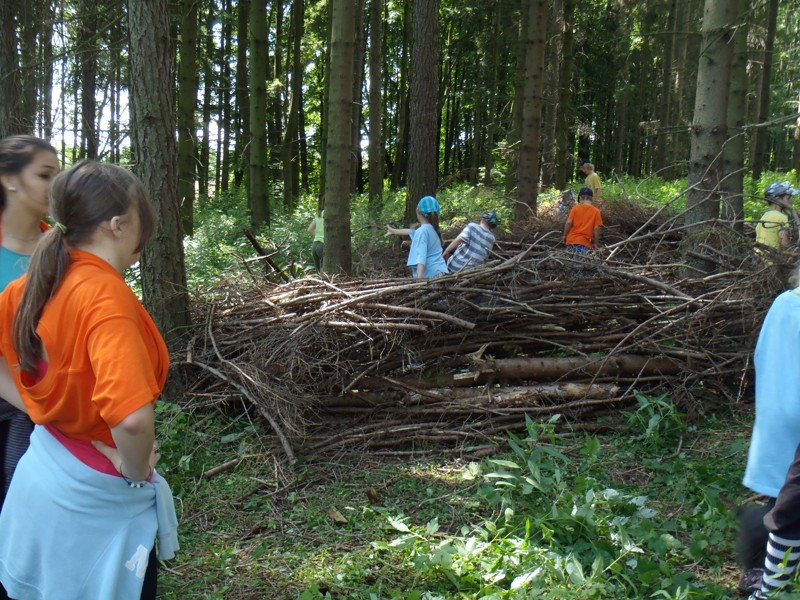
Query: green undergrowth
point(217, 250)
point(645, 513)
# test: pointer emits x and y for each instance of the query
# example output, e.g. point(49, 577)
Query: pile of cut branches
point(536, 330)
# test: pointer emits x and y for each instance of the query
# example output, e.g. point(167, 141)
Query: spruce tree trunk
point(564, 116)
point(528, 186)
point(30, 24)
point(155, 156)
point(733, 153)
point(494, 80)
point(242, 94)
point(515, 129)
point(759, 142)
point(357, 168)
point(187, 104)
point(375, 159)
point(423, 108)
point(258, 187)
point(89, 54)
point(226, 96)
point(709, 128)
point(399, 171)
point(291, 143)
point(204, 152)
point(338, 251)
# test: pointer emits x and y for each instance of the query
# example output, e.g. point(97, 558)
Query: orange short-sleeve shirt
point(105, 356)
point(585, 218)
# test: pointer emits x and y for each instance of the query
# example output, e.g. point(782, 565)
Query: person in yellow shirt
point(773, 227)
point(592, 181)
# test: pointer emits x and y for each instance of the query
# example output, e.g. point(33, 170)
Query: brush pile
point(387, 363)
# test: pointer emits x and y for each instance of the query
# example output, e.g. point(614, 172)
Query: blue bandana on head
point(428, 205)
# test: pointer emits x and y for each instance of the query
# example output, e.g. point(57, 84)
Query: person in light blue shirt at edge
point(776, 431)
point(425, 257)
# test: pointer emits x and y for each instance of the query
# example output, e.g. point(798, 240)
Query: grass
point(455, 528)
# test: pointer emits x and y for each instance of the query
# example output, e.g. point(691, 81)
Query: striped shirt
point(477, 242)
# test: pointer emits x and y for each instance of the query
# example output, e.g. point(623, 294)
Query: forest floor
point(426, 524)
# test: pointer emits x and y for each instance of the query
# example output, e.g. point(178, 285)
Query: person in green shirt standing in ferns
point(773, 227)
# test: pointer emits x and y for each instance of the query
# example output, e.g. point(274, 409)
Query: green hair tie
point(61, 226)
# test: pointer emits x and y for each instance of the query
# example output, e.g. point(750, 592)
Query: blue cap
point(586, 191)
point(491, 218)
point(429, 205)
point(779, 189)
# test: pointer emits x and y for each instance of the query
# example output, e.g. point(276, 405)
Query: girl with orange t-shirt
point(27, 167)
point(85, 504)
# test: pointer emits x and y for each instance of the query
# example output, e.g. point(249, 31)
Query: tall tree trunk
point(89, 54)
point(375, 105)
point(424, 118)
point(117, 42)
point(258, 195)
point(357, 168)
point(759, 142)
point(226, 96)
point(46, 70)
point(338, 250)
point(564, 113)
point(528, 186)
point(30, 19)
point(661, 137)
point(325, 101)
point(709, 127)
point(10, 107)
point(204, 163)
point(275, 97)
point(291, 143)
point(155, 157)
point(399, 173)
point(494, 78)
point(515, 130)
point(733, 152)
point(555, 26)
point(187, 104)
point(242, 94)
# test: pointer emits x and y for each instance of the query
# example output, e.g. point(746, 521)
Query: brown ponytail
point(81, 199)
point(433, 219)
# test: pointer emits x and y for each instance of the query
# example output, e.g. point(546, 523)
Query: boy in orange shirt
point(582, 229)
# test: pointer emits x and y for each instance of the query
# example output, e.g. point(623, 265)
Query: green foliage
point(655, 421)
point(558, 531)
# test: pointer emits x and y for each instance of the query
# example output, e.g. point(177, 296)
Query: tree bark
point(155, 157)
point(338, 250)
point(375, 159)
point(709, 126)
point(291, 142)
point(733, 152)
point(564, 113)
point(424, 119)
point(528, 186)
point(187, 104)
point(242, 114)
point(399, 171)
point(10, 118)
point(759, 141)
point(259, 169)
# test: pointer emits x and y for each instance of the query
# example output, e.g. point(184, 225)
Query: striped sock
point(782, 558)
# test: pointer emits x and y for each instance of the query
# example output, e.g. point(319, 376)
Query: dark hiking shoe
point(750, 583)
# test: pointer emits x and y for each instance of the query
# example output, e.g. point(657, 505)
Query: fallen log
point(574, 367)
